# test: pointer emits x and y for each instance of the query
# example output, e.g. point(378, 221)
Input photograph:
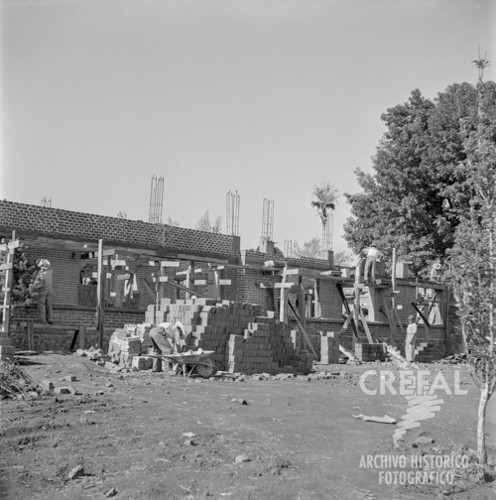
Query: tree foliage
point(313, 249)
point(204, 224)
point(420, 185)
point(472, 259)
point(24, 272)
point(326, 196)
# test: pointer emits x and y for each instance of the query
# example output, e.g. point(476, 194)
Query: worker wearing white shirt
point(373, 255)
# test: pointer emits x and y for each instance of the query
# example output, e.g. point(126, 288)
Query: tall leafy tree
point(326, 196)
point(472, 262)
point(418, 188)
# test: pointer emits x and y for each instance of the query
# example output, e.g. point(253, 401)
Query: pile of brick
point(127, 345)
point(267, 346)
point(370, 352)
point(425, 353)
point(329, 348)
point(242, 339)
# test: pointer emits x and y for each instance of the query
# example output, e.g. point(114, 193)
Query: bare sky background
point(266, 97)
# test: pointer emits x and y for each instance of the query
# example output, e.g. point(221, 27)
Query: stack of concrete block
point(370, 352)
point(143, 332)
point(257, 352)
point(425, 353)
point(123, 347)
point(329, 348)
point(242, 339)
point(266, 346)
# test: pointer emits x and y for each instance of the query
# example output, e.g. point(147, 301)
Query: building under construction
point(142, 263)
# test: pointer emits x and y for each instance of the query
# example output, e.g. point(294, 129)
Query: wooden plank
point(122, 277)
point(291, 271)
point(200, 282)
point(347, 353)
point(183, 273)
point(169, 263)
point(350, 315)
point(186, 289)
point(225, 282)
point(301, 301)
point(107, 275)
point(421, 314)
point(148, 290)
point(303, 331)
point(283, 285)
point(8, 280)
point(366, 327)
point(349, 320)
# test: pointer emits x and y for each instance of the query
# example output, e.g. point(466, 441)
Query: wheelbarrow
point(189, 363)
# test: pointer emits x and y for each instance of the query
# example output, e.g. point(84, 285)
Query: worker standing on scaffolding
point(373, 255)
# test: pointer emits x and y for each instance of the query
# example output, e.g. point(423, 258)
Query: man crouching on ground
point(167, 339)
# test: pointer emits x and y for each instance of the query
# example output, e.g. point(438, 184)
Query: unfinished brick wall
point(55, 222)
point(330, 300)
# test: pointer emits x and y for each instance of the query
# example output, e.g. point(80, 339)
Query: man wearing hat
point(42, 289)
point(166, 339)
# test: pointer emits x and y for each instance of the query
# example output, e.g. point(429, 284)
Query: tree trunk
point(481, 424)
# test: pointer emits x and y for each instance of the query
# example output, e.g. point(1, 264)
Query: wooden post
point(301, 301)
point(318, 307)
point(9, 275)
point(392, 329)
point(82, 335)
point(6, 348)
point(30, 329)
point(100, 295)
point(283, 300)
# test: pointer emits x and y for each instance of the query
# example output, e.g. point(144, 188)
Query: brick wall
point(72, 316)
point(330, 300)
point(55, 222)
point(379, 331)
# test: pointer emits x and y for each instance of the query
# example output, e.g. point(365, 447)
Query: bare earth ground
point(299, 436)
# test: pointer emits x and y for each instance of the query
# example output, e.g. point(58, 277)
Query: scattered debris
point(15, 382)
point(423, 440)
point(76, 472)
point(241, 459)
point(386, 419)
point(46, 384)
point(241, 402)
point(111, 493)
point(455, 359)
point(68, 378)
point(188, 434)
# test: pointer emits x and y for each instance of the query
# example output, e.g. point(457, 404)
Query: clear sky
point(266, 97)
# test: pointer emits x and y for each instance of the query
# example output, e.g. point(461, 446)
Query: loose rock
point(76, 472)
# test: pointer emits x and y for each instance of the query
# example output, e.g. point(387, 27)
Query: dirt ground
point(142, 435)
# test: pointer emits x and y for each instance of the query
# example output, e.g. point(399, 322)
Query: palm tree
point(325, 203)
